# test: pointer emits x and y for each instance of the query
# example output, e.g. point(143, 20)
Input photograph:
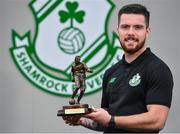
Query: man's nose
point(131, 31)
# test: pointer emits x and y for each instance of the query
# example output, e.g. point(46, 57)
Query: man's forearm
point(141, 122)
point(90, 124)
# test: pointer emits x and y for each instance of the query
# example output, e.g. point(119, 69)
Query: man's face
point(132, 32)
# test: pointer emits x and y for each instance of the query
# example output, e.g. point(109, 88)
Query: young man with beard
point(137, 91)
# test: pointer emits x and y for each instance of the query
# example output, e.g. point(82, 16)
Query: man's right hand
point(72, 120)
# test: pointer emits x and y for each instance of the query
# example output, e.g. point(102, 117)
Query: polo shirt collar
point(139, 59)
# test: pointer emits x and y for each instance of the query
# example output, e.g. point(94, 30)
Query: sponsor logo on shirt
point(112, 80)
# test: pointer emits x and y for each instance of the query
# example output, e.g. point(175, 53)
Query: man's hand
point(72, 120)
point(100, 116)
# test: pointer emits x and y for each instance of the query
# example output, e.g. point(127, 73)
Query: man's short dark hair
point(135, 9)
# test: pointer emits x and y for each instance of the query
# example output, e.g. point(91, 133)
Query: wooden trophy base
point(77, 109)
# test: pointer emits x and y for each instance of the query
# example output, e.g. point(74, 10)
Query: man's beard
point(134, 50)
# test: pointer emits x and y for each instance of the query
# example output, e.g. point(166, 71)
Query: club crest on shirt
point(135, 80)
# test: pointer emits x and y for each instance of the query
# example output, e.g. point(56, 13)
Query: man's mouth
point(131, 39)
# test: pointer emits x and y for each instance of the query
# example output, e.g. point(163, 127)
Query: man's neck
point(131, 57)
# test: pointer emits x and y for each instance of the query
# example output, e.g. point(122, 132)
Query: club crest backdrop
point(64, 29)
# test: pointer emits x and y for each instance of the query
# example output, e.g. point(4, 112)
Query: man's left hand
point(100, 116)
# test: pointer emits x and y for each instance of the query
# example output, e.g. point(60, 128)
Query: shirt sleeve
point(160, 86)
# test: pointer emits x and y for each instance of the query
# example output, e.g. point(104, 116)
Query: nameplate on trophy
point(75, 111)
point(79, 109)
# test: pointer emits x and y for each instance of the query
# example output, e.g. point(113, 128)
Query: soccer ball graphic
point(71, 40)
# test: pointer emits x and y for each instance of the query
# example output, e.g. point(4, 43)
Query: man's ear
point(118, 29)
point(148, 30)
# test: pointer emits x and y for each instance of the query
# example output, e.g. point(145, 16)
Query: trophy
point(78, 70)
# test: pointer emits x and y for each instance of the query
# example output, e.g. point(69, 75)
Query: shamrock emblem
point(72, 13)
point(71, 40)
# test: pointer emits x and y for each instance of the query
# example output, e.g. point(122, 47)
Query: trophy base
point(77, 109)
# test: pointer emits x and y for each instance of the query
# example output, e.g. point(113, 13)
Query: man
point(137, 91)
point(79, 74)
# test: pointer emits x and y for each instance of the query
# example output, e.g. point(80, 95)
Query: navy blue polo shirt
point(129, 87)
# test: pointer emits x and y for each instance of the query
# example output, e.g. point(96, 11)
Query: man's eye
point(124, 26)
point(138, 27)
